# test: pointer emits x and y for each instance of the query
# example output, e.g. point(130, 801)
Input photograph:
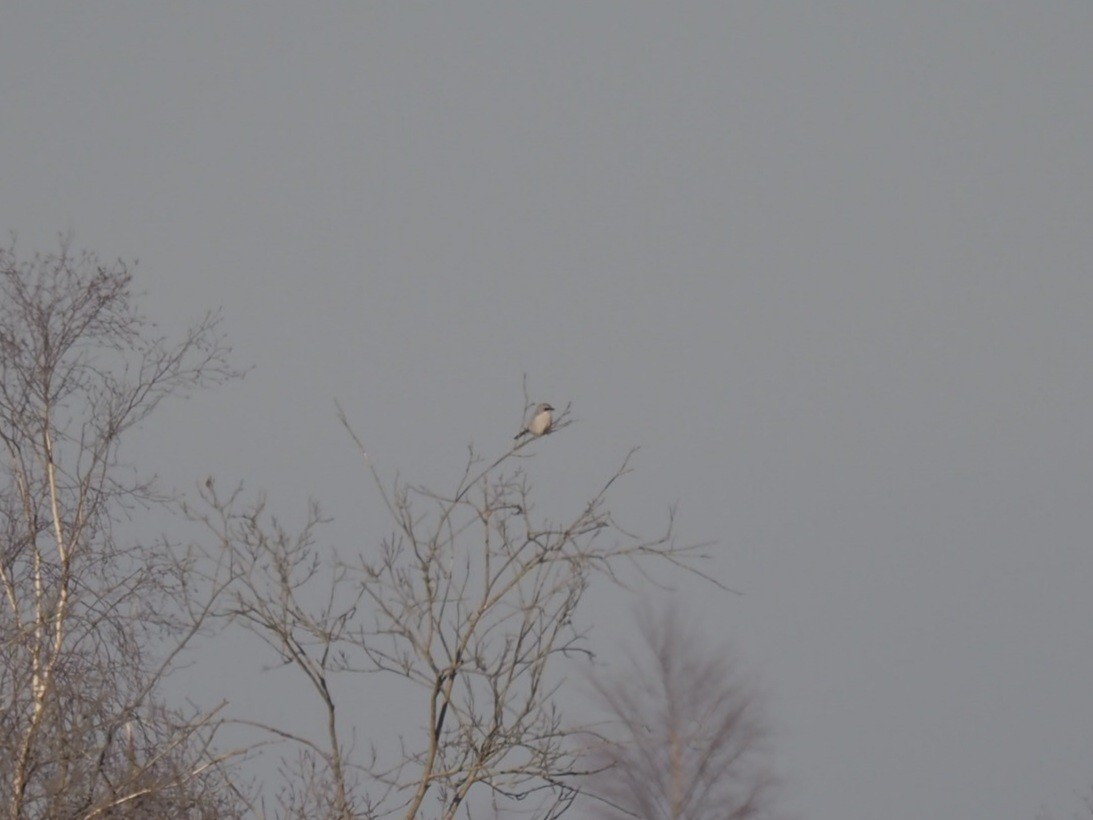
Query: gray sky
point(829, 264)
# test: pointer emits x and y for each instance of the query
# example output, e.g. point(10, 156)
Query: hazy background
point(828, 264)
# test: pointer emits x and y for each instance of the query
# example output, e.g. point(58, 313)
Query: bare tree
point(89, 625)
point(471, 600)
point(685, 739)
point(469, 603)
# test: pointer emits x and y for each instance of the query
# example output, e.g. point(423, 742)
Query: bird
point(540, 422)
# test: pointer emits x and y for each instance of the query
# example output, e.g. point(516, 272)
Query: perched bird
point(540, 422)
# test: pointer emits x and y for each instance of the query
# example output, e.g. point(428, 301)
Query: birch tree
point(89, 623)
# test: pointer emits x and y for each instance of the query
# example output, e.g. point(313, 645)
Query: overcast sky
point(829, 264)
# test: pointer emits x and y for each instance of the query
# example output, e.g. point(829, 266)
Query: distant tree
point(685, 737)
point(90, 625)
point(471, 601)
point(1083, 814)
